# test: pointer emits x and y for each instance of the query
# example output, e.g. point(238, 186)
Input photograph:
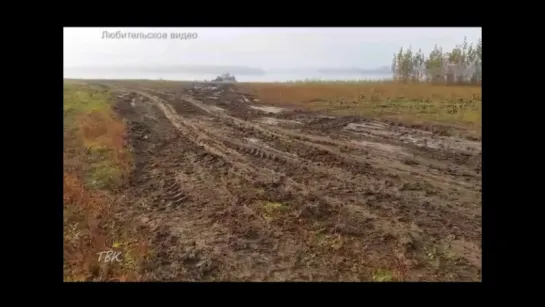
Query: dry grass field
point(458, 107)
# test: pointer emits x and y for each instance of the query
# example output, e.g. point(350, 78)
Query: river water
point(269, 77)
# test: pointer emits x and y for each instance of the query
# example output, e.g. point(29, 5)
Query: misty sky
point(266, 48)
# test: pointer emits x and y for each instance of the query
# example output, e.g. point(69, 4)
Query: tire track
point(316, 152)
point(342, 180)
point(216, 172)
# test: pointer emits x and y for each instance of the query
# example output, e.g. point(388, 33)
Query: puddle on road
point(365, 126)
point(268, 109)
point(422, 141)
point(216, 108)
point(441, 142)
point(414, 137)
point(257, 142)
point(374, 129)
point(276, 121)
point(252, 140)
point(379, 146)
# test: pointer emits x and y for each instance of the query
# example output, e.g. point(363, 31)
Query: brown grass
point(409, 103)
point(96, 164)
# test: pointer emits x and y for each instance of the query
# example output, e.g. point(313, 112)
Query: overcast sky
point(266, 48)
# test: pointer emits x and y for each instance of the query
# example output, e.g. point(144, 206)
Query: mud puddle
point(268, 109)
point(418, 138)
point(380, 146)
point(277, 121)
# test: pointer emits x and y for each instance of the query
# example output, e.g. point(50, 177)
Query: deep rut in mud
point(234, 191)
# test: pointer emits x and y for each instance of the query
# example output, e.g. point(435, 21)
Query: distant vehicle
point(226, 77)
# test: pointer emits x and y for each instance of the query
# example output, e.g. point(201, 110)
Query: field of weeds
point(454, 107)
point(96, 165)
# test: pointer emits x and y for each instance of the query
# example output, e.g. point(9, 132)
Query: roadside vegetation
point(442, 88)
point(97, 162)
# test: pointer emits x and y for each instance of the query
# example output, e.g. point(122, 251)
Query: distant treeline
point(462, 65)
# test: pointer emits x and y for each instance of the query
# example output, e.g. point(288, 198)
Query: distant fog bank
point(244, 74)
point(169, 69)
point(236, 70)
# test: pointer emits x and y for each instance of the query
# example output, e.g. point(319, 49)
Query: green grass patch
point(83, 98)
point(79, 100)
point(91, 133)
point(273, 210)
point(103, 175)
point(273, 207)
point(383, 276)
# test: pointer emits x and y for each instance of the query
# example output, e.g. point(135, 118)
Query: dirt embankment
point(233, 190)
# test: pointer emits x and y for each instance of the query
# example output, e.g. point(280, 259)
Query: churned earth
point(229, 189)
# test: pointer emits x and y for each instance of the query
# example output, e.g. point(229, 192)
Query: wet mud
point(230, 189)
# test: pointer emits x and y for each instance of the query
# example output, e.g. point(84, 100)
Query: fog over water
point(265, 77)
point(251, 54)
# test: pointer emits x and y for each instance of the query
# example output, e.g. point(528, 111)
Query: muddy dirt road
point(229, 189)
